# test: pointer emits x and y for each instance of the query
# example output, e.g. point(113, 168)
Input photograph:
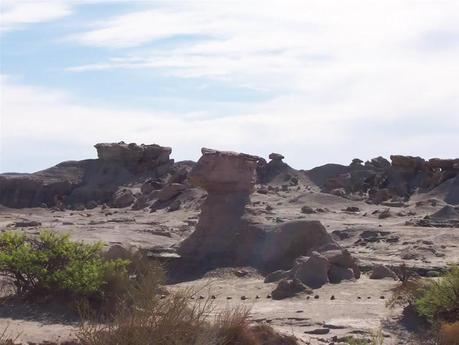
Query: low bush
point(53, 265)
point(439, 299)
point(436, 302)
point(130, 292)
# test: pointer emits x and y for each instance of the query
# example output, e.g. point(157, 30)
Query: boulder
point(344, 259)
point(338, 192)
point(312, 271)
point(287, 241)
point(289, 288)
point(179, 176)
point(170, 191)
point(149, 186)
point(140, 202)
point(174, 206)
point(337, 273)
point(122, 198)
point(276, 275)
point(352, 209)
point(381, 272)
point(307, 210)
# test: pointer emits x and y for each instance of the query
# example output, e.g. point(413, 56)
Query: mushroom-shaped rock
point(228, 235)
point(276, 156)
point(225, 172)
point(229, 178)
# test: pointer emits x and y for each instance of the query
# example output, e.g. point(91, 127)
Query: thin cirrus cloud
point(295, 46)
point(17, 14)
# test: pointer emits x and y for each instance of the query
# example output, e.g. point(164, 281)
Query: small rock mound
point(446, 213)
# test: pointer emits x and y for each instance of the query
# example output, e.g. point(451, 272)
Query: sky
point(318, 81)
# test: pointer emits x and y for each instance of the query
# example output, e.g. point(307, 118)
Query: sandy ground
point(369, 238)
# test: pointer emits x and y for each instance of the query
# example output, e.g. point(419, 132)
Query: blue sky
point(319, 81)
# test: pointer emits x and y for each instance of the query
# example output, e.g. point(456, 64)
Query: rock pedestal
point(228, 235)
point(229, 178)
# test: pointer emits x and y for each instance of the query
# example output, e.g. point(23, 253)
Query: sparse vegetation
point(439, 299)
point(436, 301)
point(53, 265)
point(141, 313)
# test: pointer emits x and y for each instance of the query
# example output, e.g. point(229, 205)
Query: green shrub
point(439, 299)
point(52, 264)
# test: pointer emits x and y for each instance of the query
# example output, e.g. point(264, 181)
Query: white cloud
point(368, 55)
point(41, 127)
point(15, 14)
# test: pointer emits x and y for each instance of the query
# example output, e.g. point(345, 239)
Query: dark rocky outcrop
point(87, 181)
point(380, 180)
point(136, 158)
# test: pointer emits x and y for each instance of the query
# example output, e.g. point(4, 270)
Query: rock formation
point(136, 158)
point(227, 234)
point(267, 171)
point(88, 181)
point(381, 180)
